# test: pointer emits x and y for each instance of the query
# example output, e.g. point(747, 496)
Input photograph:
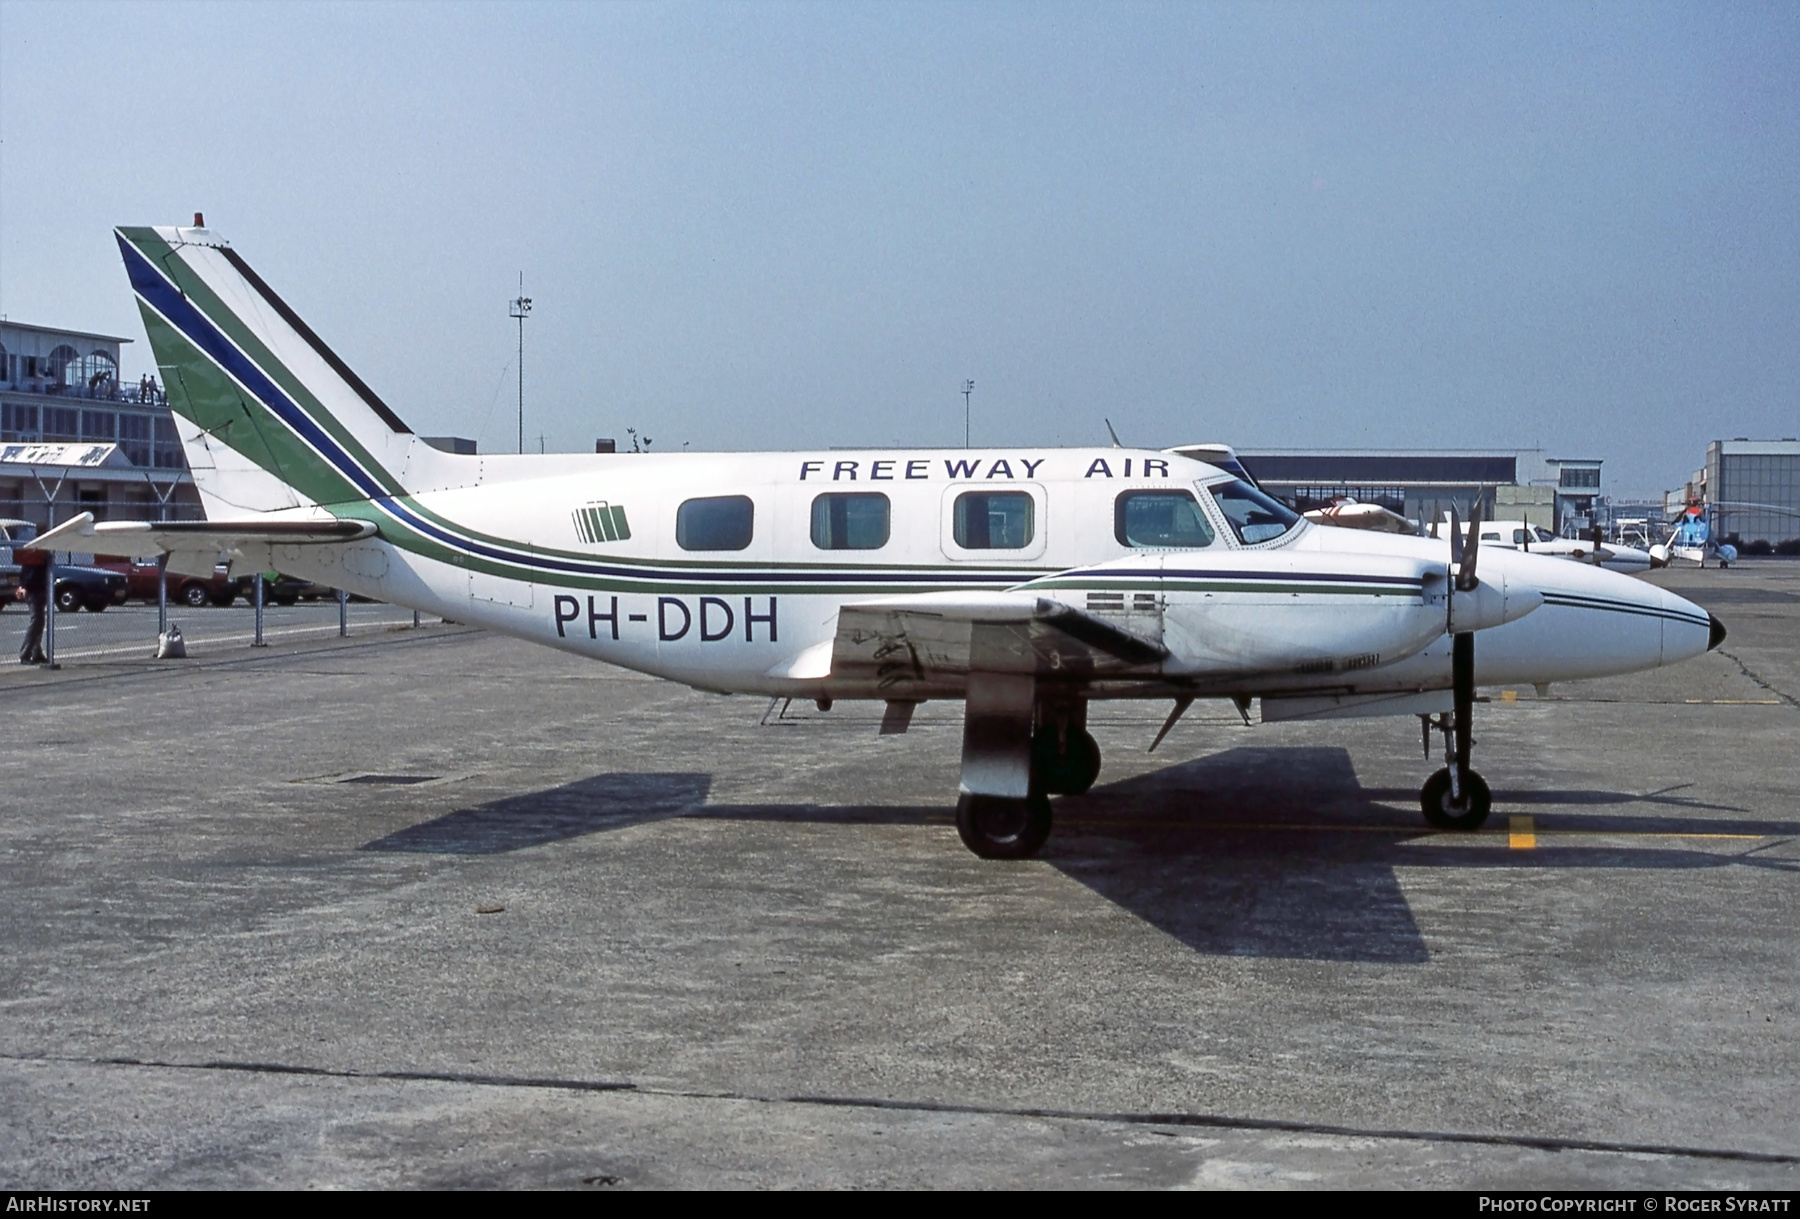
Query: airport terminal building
point(1559, 493)
point(73, 438)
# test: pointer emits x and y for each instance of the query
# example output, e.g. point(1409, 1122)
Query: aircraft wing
point(1362, 516)
point(194, 546)
point(920, 638)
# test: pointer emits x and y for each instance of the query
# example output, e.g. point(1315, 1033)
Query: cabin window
point(719, 522)
point(1492, 536)
point(1518, 536)
point(1254, 517)
point(851, 521)
point(994, 520)
point(1169, 519)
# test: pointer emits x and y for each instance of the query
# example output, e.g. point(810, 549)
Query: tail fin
point(269, 416)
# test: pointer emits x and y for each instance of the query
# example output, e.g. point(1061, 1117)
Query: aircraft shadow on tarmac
point(587, 806)
point(1283, 853)
point(1252, 852)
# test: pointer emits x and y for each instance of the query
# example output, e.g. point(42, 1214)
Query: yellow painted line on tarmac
point(1520, 834)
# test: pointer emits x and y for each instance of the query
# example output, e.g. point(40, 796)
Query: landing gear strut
point(1456, 798)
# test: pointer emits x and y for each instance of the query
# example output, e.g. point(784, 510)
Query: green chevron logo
point(601, 522)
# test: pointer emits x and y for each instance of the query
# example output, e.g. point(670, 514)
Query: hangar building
point(1559, 493)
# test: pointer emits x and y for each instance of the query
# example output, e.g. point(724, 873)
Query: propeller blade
point(1465, 569)
point(1456, 537)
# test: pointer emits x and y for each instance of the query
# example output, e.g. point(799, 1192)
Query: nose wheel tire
point(1001, 827)
point(1449, 814)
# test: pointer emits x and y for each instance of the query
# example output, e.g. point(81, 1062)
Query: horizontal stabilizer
point(82, 532)
point(931, 637)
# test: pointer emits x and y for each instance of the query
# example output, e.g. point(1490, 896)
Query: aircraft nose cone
point(1717, 634)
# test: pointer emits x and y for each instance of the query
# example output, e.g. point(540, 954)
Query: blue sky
point(769, 226)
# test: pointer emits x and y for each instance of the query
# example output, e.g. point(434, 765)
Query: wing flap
point(925, 638)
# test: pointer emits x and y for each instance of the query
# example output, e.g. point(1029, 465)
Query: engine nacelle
point(1491, 603)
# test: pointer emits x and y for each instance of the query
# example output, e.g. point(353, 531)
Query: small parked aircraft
point(1535, 538)
point(1024, 581)
point(1691, 539)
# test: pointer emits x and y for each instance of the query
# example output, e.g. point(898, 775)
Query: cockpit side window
point(1170, 519)
point(1518, 536)
point(1254, 516)
point(1543, 534)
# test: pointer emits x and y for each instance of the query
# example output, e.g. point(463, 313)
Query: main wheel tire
point(1069, 771)
point(1001, 827)
point(194, 595)
point(1447, 814)
point(68, 599)
point(95, 606)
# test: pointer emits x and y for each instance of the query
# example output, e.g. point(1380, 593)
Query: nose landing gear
point(1456, 798)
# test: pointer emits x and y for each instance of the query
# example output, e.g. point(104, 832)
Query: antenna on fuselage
point(1113, 434)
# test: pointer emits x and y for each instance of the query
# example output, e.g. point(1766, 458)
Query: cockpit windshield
point(1254, 516)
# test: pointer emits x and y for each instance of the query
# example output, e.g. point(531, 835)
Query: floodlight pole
point(967, 389)
point(520, 308)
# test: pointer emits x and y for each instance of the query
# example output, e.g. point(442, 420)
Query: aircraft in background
point(1023, 581)
point(1613, 556)
point(1347, 513)
point(1691, 539)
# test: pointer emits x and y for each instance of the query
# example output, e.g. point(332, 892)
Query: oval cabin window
point(851, 521)
point(718, 522)
point(994, 520)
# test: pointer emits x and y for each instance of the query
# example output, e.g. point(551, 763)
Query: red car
point(140, 583)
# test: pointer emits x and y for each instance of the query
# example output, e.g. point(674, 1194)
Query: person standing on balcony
point(34, 586)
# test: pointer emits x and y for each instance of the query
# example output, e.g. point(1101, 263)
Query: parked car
point(77, 587)
point(141, 578)
point(12, 533)
point(89, 588)
point(287, 590)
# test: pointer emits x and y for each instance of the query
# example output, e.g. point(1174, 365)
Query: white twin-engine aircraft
point(1025, 582)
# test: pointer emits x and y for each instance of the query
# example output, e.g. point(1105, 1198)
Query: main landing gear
point(1001, 827)
point(1456, 798)
point(1059, 758)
